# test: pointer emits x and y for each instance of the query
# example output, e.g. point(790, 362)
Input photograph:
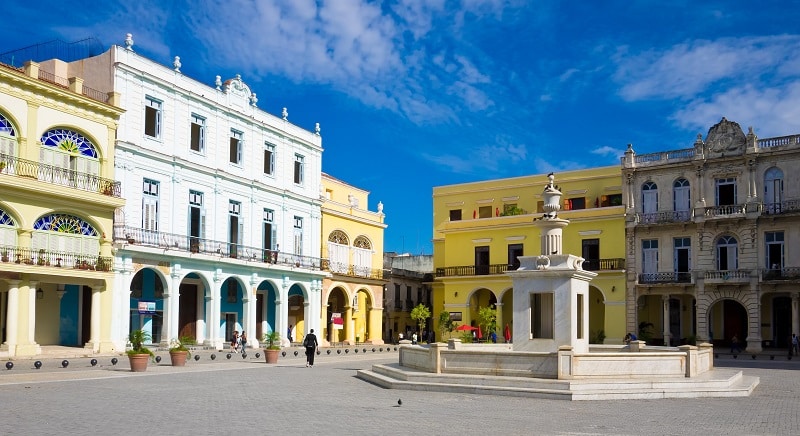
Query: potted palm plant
point(138, 355)
point(178, 352)
point(272, 340)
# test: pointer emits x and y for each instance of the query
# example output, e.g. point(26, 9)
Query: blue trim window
point(69, 141)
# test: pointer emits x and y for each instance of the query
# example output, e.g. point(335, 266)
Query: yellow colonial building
point(57, 202)
point(352, 296)
point(482, 228)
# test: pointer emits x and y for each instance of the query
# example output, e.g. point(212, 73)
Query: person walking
point(795, 343)
point(735, 345)
point(243, 341)
point(289, 334)
point(311, 344)
point(234, 341)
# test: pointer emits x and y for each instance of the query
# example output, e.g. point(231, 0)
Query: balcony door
point(481, 260)
point(590, 250)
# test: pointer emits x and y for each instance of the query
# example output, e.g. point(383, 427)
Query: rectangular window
point(482, 260)
point(269, 159)
point(611, 200)
point(726, 191)
point(235, 149)
point(198, 134)
point(150, 205)
point(514, 253)
point(235, 227)
point(649, 256)
point(298, 169)
point(542, 315)
point(455, 215)
point(575, 203)
point(682, 261)
point(485, 212)
point(152, 117)
point(774, 250)
point(196, 221)
point(580, 316)
point(298, 235)
point(397, 294)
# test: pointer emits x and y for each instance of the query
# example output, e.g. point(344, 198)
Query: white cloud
point(607, 151)
point(494, 158)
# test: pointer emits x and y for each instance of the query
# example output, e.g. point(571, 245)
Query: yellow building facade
point(352, 244)
point(57, 203)
point(482, 228)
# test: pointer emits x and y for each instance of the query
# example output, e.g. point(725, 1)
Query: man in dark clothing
point(311, 344)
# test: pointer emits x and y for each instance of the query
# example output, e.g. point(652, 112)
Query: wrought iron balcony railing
point(603, 264)
point(786, 206)
point(664, 217)
point(191, 244)
point(473, 270)
point(351, 270)
point(55, 259)
point(791, 273)
point(665, 277)
point(15, 166)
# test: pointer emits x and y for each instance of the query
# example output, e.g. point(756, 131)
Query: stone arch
point(148, 284)
point(747, 300)
point(71, 139)
point(337, 301)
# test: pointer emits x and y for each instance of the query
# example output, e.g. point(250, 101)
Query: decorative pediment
point(238, 91)
point(725, 138)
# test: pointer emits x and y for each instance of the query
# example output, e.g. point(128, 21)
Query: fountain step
point(716, 383)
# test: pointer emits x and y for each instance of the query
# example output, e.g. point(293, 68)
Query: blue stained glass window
point(69, 141)
point(6, 220)
point(63, 223)
point(6, 127)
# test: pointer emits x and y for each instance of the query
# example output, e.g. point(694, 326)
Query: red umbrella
point(507, 333)
point(480, 336)
point(465, 328)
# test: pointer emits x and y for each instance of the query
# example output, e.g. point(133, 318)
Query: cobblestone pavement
point(248, 396)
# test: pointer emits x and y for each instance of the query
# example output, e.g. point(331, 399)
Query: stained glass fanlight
point(63, 223)
point(69, 141)
point(6, 127)
point(6, 220)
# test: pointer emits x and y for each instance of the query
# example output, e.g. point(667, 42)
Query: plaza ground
point(246, 395)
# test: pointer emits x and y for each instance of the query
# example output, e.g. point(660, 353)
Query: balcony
point(726, 211)
point(603, 264)
point(190, 244)
point(786, 206)
point(473, 270)
point(780, 274)
point(344, 269)
point(14, 166)
point(55, 259)
point(727, 276)
point(662, 278)
point(664, 217)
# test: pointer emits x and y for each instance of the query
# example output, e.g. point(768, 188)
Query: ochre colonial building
point(57, 202)
point(482, 228)
point(712, 232)
point(352, 296)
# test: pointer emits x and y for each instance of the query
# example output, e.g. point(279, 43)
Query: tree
point(420, 314)
point(487, 319)
point(445, 324)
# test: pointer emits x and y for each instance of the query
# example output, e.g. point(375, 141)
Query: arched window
point(8, 138)
point(65, 149)
point(8, 231)
point(773, 190)
point(727, 253)
point(68, 235)
point(362, 256)
point(649, 201)
point(339, 251)
point(681, 199)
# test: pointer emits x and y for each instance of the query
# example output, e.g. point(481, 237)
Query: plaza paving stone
point(247, 396)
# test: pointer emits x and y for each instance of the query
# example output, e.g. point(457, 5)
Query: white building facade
point(222, 221)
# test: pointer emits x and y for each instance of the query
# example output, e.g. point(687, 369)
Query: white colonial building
point(222, 222)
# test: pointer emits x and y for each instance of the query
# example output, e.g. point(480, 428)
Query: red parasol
point(465, 328)
point(507, 333)
point(480, 335)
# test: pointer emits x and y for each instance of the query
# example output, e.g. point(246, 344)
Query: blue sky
point(412, 94)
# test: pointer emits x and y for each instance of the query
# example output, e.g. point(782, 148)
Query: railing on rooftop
point(14, 166)
point(191, 244)
point(779, 141)
point(683, 154)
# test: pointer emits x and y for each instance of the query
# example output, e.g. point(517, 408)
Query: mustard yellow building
point(482, 228)
point(352, 297)
point(57, 203)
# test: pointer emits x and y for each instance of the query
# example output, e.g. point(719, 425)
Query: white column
point(121, 301)
point(94, 321)
point(665, 321)
point(213, 314)
point(32, 311)
point(171, 294)
point(12, 316)
point(282, 312)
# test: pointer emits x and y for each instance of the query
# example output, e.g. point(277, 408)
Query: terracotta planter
point(178, 357)
point(138, 362)
point(271, 355)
